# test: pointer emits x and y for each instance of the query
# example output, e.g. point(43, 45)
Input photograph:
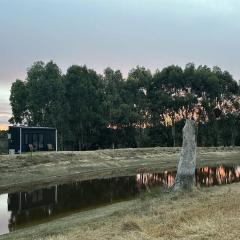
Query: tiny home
point(31, 200)
point(25, 139)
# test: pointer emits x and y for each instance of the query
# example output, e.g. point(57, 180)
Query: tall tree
point(169, 83)
point(113, 82)
point(143, 110)
point(137, 86)
point(18, 102)
point(44, 86)
point(84, 97)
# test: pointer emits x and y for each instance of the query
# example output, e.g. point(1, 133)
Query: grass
point(27, 172)
point(209, 213)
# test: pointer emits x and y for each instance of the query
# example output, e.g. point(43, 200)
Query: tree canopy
point(144, 109)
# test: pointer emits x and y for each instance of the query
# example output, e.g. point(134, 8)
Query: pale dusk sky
point(119, 34)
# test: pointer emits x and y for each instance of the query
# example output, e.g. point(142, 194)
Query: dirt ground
point(32, 171)
point(208, 213)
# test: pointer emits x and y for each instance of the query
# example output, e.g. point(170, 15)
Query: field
point(207, 213)
point(31, 171)
point(210, 213)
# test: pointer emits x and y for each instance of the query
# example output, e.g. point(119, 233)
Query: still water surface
point(21, 209)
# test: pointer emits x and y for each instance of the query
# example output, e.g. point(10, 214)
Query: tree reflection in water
point(32, 207)
point(207, 176)
point(29, 208)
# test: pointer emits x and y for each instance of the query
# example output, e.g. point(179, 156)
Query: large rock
point(185, 179)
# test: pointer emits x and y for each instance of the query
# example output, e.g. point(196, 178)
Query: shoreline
point(26, 172)
point(195, 215)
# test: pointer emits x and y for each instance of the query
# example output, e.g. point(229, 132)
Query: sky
point(120, 34)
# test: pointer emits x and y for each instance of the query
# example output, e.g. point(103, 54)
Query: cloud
point(5, 107)
point(5, 111)
point(120, 34)
point(4, 117)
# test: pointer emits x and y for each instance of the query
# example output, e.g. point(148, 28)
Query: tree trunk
point(173, 135)
point(185, 179)
point(233, 137)
point(233, 128)
point(80, 143)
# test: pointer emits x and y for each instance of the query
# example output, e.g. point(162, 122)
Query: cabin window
point(40, 141)
point(37, 196)
point(26, 138)
point(35, 141)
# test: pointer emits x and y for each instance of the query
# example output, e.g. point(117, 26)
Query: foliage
point(94, 111)
point(84, 97)
point(3, 142)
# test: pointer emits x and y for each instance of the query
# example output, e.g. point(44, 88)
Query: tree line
point(3, 142)
point(145, 109)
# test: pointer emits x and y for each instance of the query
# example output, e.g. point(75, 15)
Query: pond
point(22, 209)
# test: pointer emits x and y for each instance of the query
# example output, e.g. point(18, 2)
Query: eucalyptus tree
point(89, 109)
point(18, 102)
point(45, 91)
point(215, 88)
point(137, 85)
point(38, 101)
point(167, 91)
point(84, 98)
point(113, 82)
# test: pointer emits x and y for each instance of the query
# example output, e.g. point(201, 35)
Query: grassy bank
point(26, 171)
point(210, 213)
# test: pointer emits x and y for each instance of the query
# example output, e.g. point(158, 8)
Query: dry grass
point(195, 216)
point(26, 172)
point(212, 213)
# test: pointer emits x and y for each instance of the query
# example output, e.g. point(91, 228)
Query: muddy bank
point(27, 172)
point(197, 215)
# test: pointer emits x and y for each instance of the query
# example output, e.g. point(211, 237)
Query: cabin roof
point(27, 127)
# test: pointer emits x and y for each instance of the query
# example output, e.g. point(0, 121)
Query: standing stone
point(185, 179)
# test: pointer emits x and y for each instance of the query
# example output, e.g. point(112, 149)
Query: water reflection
point(28, 208)
point(217, 176)
point(32, 207)
point(207, 176)
point(4, 214)
point(149, 180)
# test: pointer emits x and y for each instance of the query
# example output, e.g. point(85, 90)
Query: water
point(22, 209)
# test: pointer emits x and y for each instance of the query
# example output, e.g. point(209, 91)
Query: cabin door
point(35, 141)
point(38, 141)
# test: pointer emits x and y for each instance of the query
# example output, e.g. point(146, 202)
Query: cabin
point(27, 139)
point(29, 200)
